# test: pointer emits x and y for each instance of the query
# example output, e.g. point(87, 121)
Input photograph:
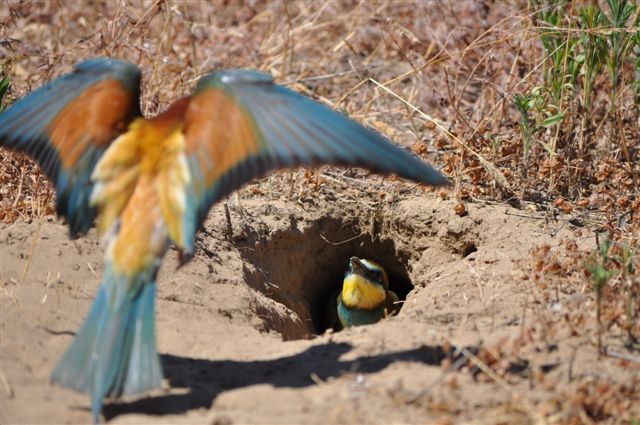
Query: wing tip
point(436, 178)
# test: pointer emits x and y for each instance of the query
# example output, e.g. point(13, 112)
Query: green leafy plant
point(527, 125)
point(600, 275)
point(577, 49)
point(627, 259)
point(618, 39)
point(594, 48)
point(544, 116)
point(635, 38)
point(621, 261)
point(563, 63)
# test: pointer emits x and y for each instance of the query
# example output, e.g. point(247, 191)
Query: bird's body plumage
point(150, 183)
point(365, 297)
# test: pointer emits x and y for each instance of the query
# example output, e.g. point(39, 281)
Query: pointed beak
point(356, 266)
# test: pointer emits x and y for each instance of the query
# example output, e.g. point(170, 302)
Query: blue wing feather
point(25, 126)
point(293, 130)
point(322, 135)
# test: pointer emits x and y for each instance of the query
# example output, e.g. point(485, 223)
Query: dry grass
point(436, 77)
point(384, 63)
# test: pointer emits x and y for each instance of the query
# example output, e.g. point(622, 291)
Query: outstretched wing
point(239, 124)
point(67, 125)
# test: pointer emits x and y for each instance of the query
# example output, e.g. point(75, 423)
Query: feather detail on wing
point(171, 182)
point(67, 124)
point(115, 176)
point(239, 124)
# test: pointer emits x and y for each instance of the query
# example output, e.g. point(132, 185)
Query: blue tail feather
point(114, 353)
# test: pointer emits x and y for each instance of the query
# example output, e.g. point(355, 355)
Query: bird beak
point(356, 266)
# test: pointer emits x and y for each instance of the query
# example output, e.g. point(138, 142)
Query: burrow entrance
point(295, 260)
point(300, 264)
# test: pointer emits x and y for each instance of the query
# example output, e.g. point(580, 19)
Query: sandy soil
point(239, 328)
point(499, 320)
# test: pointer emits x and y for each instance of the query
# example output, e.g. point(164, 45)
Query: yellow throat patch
point(359, 292)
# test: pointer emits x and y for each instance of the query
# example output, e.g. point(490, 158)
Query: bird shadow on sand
point(205, 379)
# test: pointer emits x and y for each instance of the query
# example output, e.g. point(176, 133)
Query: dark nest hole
point(468, 249)
point(302, 269)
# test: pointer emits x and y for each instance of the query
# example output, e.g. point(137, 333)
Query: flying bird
point(365, 297)
point(149, 183)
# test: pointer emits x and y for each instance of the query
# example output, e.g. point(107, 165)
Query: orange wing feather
point(219, 132)
point(103, 110)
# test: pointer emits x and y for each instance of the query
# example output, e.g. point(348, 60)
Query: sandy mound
point(240, 327)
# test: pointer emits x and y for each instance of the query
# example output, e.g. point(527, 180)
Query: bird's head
point(369, 270)
point(365, 284)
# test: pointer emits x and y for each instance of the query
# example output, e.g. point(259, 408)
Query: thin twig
point(5, 384)
point(622, 356)
point(34, 242)
point(341, 242)
point(491, 169)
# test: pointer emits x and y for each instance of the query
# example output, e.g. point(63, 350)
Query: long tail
point(114, 353)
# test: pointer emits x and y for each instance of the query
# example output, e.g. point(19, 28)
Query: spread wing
point(67, 125)
point(239, 125)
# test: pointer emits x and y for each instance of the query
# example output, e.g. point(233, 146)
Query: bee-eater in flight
point(150, 182)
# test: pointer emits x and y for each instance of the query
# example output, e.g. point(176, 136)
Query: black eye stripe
point(377, 274)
